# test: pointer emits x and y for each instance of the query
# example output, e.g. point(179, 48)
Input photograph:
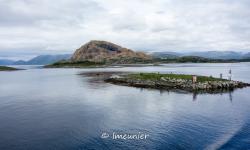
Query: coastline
point(6, 68)
point(90, 64)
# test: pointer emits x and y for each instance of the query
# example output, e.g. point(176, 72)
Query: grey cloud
point(30, 12)
point(157, 25)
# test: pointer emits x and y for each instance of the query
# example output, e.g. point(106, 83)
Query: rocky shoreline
point(179, 84)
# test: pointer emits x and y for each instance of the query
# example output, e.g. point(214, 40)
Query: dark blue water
point(60, 109)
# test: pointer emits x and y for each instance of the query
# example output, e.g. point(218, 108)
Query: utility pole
point(230, 75)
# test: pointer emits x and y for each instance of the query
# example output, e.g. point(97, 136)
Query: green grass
point(5, 68)
point(74, 64)
point(157, 76)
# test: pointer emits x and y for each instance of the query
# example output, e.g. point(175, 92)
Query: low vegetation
point(195, 59)
point(125, 60)
point(176, 82)
point(69, 64)
point(157, 76)
point(5, 68)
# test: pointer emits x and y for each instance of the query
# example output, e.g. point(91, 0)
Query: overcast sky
point(30, 27)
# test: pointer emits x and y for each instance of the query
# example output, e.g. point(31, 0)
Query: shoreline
point(6, 68)
point(89, 64)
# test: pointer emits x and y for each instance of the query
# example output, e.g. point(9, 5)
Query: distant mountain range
point(6, 62)
point(208, 54)
point(50, 59)
point(38, 60)
point(247, 55)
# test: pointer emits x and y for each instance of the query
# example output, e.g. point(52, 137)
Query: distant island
point(5, 68)
point(197, 59)
point(136, 62)
point(189, 83)
point(103, 53)
point(224, 55)
point(79, 64)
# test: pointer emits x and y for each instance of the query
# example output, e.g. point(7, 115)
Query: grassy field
point(5, 68)
point(157, 76)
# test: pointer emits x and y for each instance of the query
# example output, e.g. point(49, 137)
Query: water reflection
point(194, 96)
point(59, 109)
point(230, 94)
point(95, 80)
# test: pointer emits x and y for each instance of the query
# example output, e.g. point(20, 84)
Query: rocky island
point(102, 53)
point(176, 82)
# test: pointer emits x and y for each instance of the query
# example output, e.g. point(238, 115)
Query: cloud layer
point(152, 25)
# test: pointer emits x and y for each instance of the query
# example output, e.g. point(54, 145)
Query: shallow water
point(60, 109)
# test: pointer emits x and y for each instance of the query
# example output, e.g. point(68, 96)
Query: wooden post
point(194, 79)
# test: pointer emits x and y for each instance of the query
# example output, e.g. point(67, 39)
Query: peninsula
point(5, 68)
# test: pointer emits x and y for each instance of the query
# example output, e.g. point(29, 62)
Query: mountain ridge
point(38, 60)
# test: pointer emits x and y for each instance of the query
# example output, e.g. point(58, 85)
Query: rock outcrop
point(181, 84)
point(102, 51)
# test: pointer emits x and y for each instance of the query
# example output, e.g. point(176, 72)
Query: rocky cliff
point(102, 51)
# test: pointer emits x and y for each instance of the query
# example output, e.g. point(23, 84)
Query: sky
point(32, 27)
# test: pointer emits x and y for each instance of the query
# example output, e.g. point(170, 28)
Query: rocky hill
point(102, 51)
